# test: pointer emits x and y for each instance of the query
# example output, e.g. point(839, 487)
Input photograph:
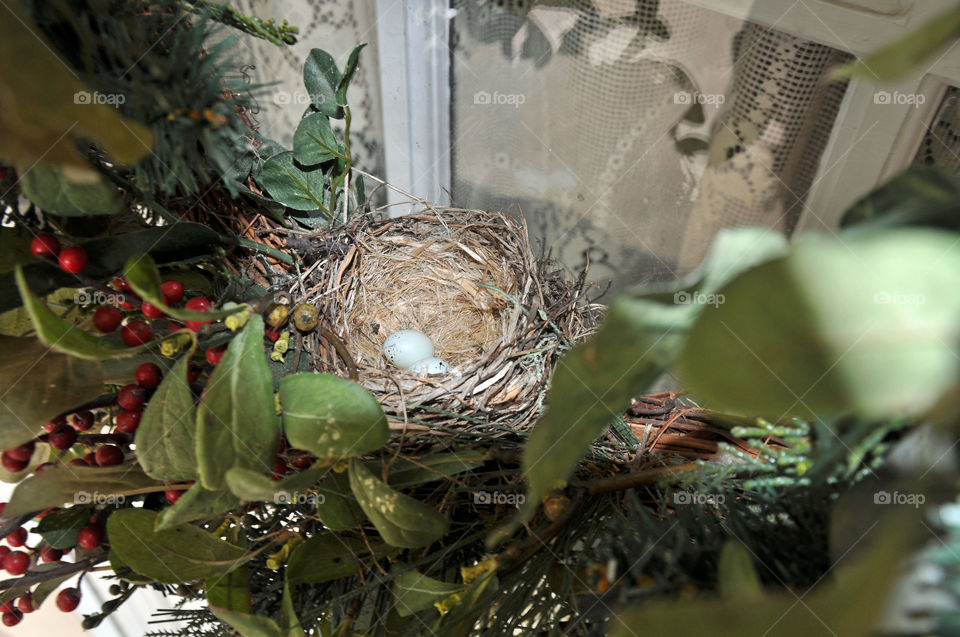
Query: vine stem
point(66, 569)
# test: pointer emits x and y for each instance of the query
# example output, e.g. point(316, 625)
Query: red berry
point(147, 375)
point(107, 318)
point(18, 537)
point(214, 354)
point(56, 422)
point(173, 291)
point(45, 246)
point(62, 437)
point(272, 335)
point(131, 397)
point(120, 284)
point(197, 304)
point(172, 495)
point(302, 462)
point(73, 260)
point(4, 551)
point(90, 536)
point(109, 455)
point(23, 452)
point(3, 507)
point(68, 599)
point(7, 607)
point(193, 372)
point(45, 466)
point(25, 603)
point(50, 554)
point(12, 618)
point(16, 562)
point(83, 420)
point(78, 462)
point(11, 464)
point(135, 333)
point(128, 421)
point(90, 459)
point(151, 311)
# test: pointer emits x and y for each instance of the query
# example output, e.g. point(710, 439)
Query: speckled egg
point(406, 347)
point(431, 365)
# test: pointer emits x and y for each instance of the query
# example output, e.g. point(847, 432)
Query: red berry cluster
point(72, 259)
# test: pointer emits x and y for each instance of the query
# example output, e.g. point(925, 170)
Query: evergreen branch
point(269, 30)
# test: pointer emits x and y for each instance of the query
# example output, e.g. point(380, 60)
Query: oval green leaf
point(291, 185)
point(166, 437)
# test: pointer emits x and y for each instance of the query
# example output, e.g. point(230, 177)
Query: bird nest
point(499, 314)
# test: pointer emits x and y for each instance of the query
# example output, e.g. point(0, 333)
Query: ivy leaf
point(166, 437)
point(60, 528)
point(413, 592)
point(321, 77)
point(142, 275)
point(330, 556)
point(331, 417)
point(314, 143)
point(50, 188)
point(197, 503)
point(61, 485)
point(877, 342)
point(348, 72)
point(401, 520)
point(906, 54)
point(237, 424)
point(38, 386)
point(64, 336)
point(291, 185)
point(919, 196)
point(183, 553)
point(640, 338)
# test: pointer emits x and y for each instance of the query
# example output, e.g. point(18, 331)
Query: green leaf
point(182, 242)
point(413, 592)
point(314, 143)
point(865, 324)
point(321, 77)
point(401, 520)
point(48, 115)
point(260, 626)
point(919, 196)
point(142, 275)
point(166, 437)
point(60, 528)
point(737, 576)
point(406, 472)
point(289, 622)
point(196, 503)
point(348, 72)
point(330, 556)
point(51, 189)
point(907, 54)
point(291, 185)
point(61, 485)
point(845, 605)
point(230, 591)
point(640, 338)
point(237, 423)
point(337, 508)
point(42, 591)
point(183, 553)
point(331, 417)
point(64, 336)
point(38, 385)
point(255, 486)
point(124, 572)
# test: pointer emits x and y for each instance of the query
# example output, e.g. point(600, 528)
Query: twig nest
point(469, 282)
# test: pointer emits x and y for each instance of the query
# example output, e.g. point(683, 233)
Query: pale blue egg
point(431, 365)
point(406, 347)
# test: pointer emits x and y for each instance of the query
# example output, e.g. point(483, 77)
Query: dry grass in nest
point(470, 280)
